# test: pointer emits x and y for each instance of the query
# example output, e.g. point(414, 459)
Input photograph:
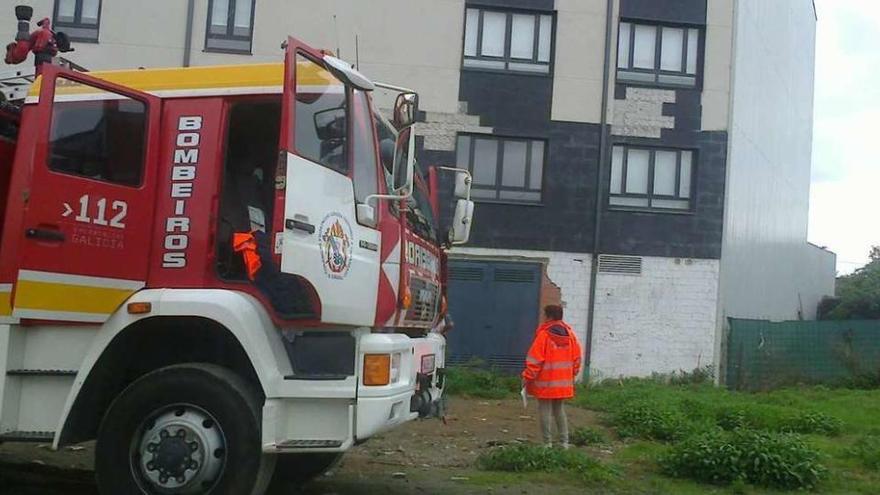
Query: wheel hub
point(180, 451)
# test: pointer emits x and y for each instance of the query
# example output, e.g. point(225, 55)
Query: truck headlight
point(395, 367)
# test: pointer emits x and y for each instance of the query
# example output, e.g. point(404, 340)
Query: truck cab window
point(321, 116)
point(419, 215)
point(102, 138)
point(366, 172)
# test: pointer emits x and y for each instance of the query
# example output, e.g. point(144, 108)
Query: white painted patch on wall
point(660, 321)
point(440, 129)
point(641, 113)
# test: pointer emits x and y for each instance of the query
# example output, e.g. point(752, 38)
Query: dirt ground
point(420, 457)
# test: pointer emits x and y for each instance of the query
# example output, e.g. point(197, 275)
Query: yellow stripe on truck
point(53, 296)
point(196, 79)
point(5, 303)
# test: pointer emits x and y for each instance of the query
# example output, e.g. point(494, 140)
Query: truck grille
point(425, 296)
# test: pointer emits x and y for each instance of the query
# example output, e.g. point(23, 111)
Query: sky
point(845, 192)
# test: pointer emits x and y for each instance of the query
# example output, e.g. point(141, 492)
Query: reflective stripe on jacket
point(553, 362)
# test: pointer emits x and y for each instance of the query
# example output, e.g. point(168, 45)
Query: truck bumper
point(338, 419)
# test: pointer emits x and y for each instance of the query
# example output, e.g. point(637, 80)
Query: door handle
point(45, 235)
point(299, 225)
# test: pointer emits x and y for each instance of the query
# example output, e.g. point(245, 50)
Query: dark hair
point(553, 312)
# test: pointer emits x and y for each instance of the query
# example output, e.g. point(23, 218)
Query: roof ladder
point(15, 83)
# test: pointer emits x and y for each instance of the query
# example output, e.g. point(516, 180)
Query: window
point(419, 214)
point(79, 19)
point(504, 169)
point(657, 55)
point(321, 123)
point(230, 26)
point(651, 178)
point(363, 149)
point(514, 41)
point(102, 138)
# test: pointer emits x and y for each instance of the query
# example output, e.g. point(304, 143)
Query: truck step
point(28, 436)
point(309, 444)
point(36, 372)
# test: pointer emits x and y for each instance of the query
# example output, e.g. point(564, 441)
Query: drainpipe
point(600, 172)
point(187, 42)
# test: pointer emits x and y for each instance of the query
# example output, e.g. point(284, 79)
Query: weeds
point(529, 458)
point(775, 460)
point(587, 436)
point(471, 381)
point(814, 422)
point(867, 451)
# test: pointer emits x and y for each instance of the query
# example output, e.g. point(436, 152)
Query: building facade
point(644, 162)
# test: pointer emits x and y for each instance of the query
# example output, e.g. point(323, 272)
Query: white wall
point(579, 60)
point(768, 270)
point(661, 321)
point(716, 67)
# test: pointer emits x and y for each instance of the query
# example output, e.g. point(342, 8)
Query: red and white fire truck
point(218, 272)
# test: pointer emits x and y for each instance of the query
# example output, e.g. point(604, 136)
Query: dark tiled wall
point(519, 105)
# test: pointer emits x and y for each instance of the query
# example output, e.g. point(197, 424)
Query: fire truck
point(227, 276)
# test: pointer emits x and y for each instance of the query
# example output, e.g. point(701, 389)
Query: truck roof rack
point(16, 82)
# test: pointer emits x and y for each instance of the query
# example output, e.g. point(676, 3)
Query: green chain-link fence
point(763, 354)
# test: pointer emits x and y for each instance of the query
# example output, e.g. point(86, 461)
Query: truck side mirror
point(460, 231)
point(463, 186)
point(330, 124)
point(405, 110)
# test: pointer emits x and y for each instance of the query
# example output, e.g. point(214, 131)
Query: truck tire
point(293, 470)
point(184, 429)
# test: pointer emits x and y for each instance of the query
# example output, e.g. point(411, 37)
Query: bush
point(530, 458)
point(813, 422)
point(867, 450)
point(698, 376)
point(587, 436)
point(651, 421)
point(776, 460)
point(484, 384)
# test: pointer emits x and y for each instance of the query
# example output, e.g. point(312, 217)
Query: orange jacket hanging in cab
point(245, 244)
point(553, 362)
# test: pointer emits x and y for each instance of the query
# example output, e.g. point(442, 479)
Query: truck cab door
point(322, 240)
point(88, 213)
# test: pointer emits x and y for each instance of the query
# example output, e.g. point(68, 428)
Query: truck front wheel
point(183, 429)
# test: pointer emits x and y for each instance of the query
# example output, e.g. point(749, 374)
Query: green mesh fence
point(763, 354)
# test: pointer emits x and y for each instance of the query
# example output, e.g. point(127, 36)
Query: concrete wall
point(660, 321)
point(409, 44)
point(580, 54)
point(768, 270)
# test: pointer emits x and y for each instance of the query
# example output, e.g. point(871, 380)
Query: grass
point(829, 438)
point(530, 458)
point(475, 381)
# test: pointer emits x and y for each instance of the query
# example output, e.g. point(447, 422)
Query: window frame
point(658, 71)
point(650, 196)
point(499, 168)
point(230, 27)
point(507, 59)
point(144, 151)
point(347, 99)
point(77, 23)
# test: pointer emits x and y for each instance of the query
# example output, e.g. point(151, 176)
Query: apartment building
point(644, 162)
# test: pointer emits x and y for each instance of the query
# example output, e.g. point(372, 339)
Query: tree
point(858, 294)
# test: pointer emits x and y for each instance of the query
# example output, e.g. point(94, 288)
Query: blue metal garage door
point(495, 309)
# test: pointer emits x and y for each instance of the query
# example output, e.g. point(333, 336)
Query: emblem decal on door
point(334, 237)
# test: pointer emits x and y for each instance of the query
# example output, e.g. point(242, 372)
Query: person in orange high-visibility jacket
point(553, 362)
